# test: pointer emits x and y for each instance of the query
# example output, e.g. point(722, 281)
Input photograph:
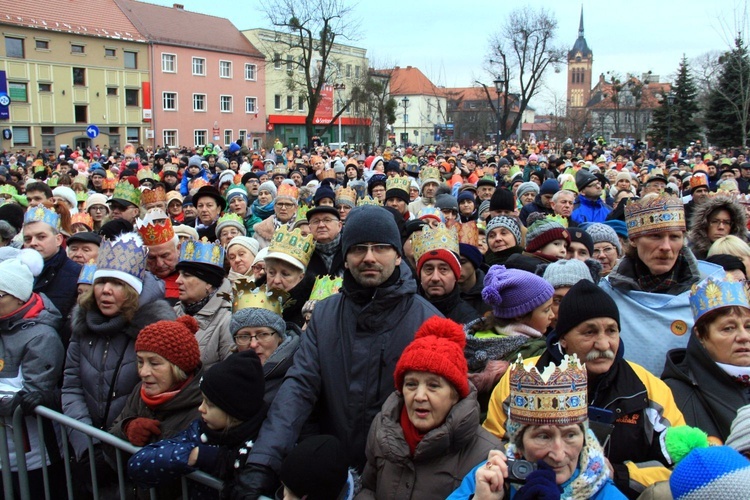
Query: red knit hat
point(174, 341)
point(446, 256)
point(438, 348)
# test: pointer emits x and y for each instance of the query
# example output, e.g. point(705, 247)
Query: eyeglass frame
point(266, 336)
point(376, 248)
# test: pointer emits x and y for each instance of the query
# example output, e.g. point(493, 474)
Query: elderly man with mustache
point(629, 408)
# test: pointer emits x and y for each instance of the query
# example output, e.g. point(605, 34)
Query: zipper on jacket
point(381, 365)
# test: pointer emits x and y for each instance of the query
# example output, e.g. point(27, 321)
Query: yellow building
point(68, 70)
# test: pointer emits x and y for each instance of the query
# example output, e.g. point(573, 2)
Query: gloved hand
point(139, 430)
point(253, 481)
point(30, 400)
point(540, 485)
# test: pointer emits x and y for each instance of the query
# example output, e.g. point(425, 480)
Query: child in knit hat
point(563, 274)
point(547, 238)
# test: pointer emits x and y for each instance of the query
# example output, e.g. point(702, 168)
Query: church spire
point(580, 25)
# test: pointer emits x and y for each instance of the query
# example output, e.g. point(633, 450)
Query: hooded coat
point(698, 234)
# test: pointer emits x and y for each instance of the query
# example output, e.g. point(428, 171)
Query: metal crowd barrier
point(120, 447)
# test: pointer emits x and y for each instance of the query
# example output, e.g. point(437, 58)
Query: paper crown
point(431, 213)
point(326, 173)
point(230, 218)
point(155, 195)
point(202, 252)
point(199, 183)
point(124, 190)
point(369, 200)
point(325, 286)
point(654, 214)
point(155, 228)
point(468, 233)
point(169, 168)
point(86, 277)
point(291, 246)
point(557, 218)
point(81, 196)
point(698, 180)
point(280, 170)
point(287, 190)
point(53, 181)
point(437, 238)
point(144, 174)
point(123, 258)
point(109, 184)
point(245, 295)
point(557, 396)
point(42, 214)
point(743, 199)
point(359, 187)
point(715, 293)
point(302, 212)
point(82, 218)
point(429, 174)
point(402, 183)
point(346, 195)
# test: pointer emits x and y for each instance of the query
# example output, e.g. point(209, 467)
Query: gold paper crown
point(429, 174)
point(654, 214)
point(325, 286)
point(109, 183)
point(346, 194)
point(155, 228)
point(153, 195)
point(557, 396)
point(124, 190)
point(302, 212)
point(280, 169)
point(403, 183)
point(438, 238)
point(245, 295)
point(291, 244)
point(202, 252)
point(468, 233)
point(82, 218)
point(369, 200)
point(144, 174)
point(287, 190)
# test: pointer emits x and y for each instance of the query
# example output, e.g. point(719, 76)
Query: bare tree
point(520, 55)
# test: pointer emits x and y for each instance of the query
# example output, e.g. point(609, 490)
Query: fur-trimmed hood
point(698, 234)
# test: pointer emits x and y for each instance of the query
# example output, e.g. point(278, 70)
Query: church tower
point(580, 60)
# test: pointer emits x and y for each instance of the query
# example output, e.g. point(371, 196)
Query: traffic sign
point(92, 131)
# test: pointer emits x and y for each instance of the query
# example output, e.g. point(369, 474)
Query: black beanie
point(397, 193)
point(12, 213)
point(236, 385)
point(248, 176)
point(578, 235)
point(584, 301)
point(370, 224)
point(323, 191)
point(213, 275)
point(728, 262)
point(502, 199)
point(316, 469)
point(114, 228)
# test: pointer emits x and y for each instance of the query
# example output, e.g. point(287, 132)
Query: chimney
point(408, 67)
point(178, 6)
point(601, 78)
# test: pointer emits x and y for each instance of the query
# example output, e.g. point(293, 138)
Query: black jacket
point(59, 282)
point(706, 394)
point(533, 207)
point(474, 296)
point(452, 306)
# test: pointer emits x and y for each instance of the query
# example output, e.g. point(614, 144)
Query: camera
point(519, 470)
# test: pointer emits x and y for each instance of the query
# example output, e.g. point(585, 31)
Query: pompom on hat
point(438, 348)
point(513, 292)
point(713, 472)
point(174, 341)
point(17, 273)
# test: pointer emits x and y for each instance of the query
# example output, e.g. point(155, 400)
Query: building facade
point(580, 65)
point(422, 107)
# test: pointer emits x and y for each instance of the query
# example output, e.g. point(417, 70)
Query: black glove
point(253, 481)
point(30, 400)
point(540, 485)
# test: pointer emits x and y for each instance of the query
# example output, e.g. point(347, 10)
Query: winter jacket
point(345, 366)
point(698, 234)
point(279, 362)
point(533, 207)
point(184, 191)
point(250, 221)
point(586, 210)
point(33, 357)
point(452, 306)
point(441, 460)
point(208, 232)
point(653, 323)
point(59, 282)
point(317, 266)
point(642, 404)
point(707, 396)
point(101, 352)
point(474, 296)
point(214, 338)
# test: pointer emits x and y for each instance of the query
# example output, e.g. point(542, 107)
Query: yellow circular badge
point(679, 327)
point(2, 364)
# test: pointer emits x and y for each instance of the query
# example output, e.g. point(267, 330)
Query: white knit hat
point(17, 273)
point(245, 241)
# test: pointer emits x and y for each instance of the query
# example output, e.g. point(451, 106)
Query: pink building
point(207, 79)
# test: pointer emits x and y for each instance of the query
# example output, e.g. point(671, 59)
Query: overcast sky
point(448, 41)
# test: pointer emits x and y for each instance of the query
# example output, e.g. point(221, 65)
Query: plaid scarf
point(662, 283)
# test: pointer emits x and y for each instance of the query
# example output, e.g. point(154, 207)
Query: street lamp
point(339, 86)
point(670, 102)
point(405, 136)
point(498, 88)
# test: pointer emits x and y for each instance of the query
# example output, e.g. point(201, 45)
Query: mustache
point(596, 354)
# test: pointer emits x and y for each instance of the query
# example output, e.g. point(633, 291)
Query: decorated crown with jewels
point(86, 277)
point(368, 200)
point(155, 228)
point(468, 233)
point(715, 293)
point(438, 238)
point(202, 252)
point(345, 194)
point(556, 396)
point(429, 174)
point(402, 183)
point(654, 214)
point(123, 258)
point(325, 286)
point(153, 195)
point(293, 244)
point(245, 295)
point(124, 190)
point(42, 214)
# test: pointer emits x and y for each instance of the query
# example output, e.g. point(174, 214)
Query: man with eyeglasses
point(347, 356)
point(325, 226)
point(590, 206)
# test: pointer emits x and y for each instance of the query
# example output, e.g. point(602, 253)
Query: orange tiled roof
point(177, 26)
point(411, 81)
point(100, 18)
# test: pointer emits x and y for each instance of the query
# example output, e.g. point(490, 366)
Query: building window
point(199, 102)
point(170, 138)
point(199, 137)
point(42, 44)
point(225, 69)
point(356, 107)
point(227, 136)
point(242, 135)
point(131, 97)
point(79, 76)
point(250, 72)
point(251, 105)
point(226, 103)
point(199, 66)
point(276, 60)
point(82, 114)
point(356, 71)
point(169, 101)
point(289, 103)
point(45, 87)
point(112, 91)
point(110, 52)
point(48, 130)
point(300, 103)
point(169, 63)
point(21, 136)
point(277, 102)
point(18, 92)
point(348, 70)
point(14, 48)
point(133, 135)
point(131, 59)
point(80, 49)
point(289, 63)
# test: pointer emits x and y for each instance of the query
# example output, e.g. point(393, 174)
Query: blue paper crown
point(123, 258)
point(87, 274)
point(202, 252)
point(41, 214)
point(714, 293)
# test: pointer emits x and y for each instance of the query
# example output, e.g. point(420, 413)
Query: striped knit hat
point(713, 472)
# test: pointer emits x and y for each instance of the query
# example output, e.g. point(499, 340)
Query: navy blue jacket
point(59, 282)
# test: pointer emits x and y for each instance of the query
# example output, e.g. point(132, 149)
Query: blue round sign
point(92, 131)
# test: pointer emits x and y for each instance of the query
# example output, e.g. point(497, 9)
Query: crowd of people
point(407, 322)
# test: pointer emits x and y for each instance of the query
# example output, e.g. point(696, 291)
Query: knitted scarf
point(195, 307)
point(491, 258)
point(412, 436)
point(265, 211)
point(159, 399)
point(328, 250)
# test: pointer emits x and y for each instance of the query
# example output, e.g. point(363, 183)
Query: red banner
point(324, 111)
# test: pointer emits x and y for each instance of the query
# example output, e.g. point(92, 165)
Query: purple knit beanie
point(513, 292)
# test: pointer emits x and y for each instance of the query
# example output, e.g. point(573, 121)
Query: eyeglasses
point(245, 339)
point(258, 267)
point(98, 208)
point(600, 251)
point(377, 249)
point(285, 205)
point(720, 222)
point(320, 222)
